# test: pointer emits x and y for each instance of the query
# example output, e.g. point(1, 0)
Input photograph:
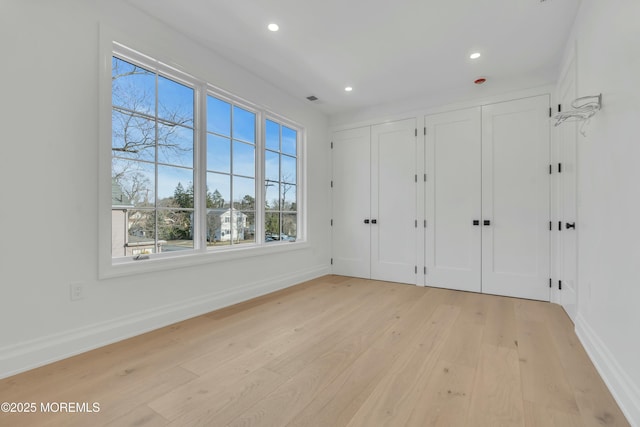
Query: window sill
point(129, 267)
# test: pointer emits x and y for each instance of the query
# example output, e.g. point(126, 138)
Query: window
point(281, 189)
point(152, 160)
point(231, 173)
point(187, 161)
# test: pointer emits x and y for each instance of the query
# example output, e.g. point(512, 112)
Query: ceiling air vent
point(312, 98)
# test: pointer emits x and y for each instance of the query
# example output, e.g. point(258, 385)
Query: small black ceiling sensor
point(312, 98)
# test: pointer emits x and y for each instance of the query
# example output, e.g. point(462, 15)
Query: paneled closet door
point(515, 198)
point(351, 239)
point(453, 200)
point(393, 202)
point(567, 138)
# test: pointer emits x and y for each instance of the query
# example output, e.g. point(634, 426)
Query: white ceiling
point(388, 50)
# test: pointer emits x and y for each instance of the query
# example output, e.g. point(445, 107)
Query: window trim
point(123, 266)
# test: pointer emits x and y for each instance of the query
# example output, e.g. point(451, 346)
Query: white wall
point(607, 35)
point(49, 182)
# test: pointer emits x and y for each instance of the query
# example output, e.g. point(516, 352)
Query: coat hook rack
point(583, 109)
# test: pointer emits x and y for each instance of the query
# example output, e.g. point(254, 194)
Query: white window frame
point(300, 201)
point(123, 266)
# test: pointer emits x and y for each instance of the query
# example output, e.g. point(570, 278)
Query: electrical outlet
point(76, 291)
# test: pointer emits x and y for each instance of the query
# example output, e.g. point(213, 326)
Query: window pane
point(271, 166)
point(289, 140)
point(175, 102)
point(218, 153)
point(227, 227)
point(272, 227)
point(244, 125)
point(218, 190)
point(244, 159)
point(272, 195)
point(238, 227)
point(132, 183)
point(176, 229)
point(140, 230)
point(133, 87)
point(244, 193)
point(289, 197)
point(218, 116)
point(175, 145)
point(248, 228)
point(272, 135)
point(175, 187)
point(288, 169)
point(218, 232)
point(132, 136)
point(289, 227)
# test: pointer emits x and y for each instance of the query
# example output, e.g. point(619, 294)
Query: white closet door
point(515, 198)
point(393, 202)
point(567, 135)
point(351, 238)
point(453, 200)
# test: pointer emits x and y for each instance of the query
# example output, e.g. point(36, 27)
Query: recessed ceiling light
point(348, 89)
point(273, 27)
point(475, 55)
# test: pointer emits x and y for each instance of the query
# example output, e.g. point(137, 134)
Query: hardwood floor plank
point(215, 399)
point(142, 416)
point(496, 400)
point(446, 397)
point(341, 399)
point(316, 362)
point(283, 331)
point(539, 416)
point(463, 343)
point(360, 323)
point(543, 379)
point(597, 406)
point(500, 325)
point(392, 400)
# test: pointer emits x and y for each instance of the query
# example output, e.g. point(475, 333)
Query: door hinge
point(425, 130)
point(416, 223)
point(550, 169)
point(416, 178)
point(560, 284)
point(416, 269)
point(332, 223)
point(550, 226)
point(550, 282)
point(331, 261)
point(550, 112)
point(425, 177)
point(425, 223)
point(331, 184)
point(559, 108)
point(416, 131)
point(425, 270)
point(559, 167)
point(331, 144)
point(559, 225)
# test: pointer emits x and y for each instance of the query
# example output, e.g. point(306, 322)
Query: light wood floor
point(336, 351)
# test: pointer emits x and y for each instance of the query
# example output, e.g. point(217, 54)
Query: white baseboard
point(31, 354)
point(624, 391)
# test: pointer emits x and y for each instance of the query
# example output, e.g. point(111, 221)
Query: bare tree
point(138, 130)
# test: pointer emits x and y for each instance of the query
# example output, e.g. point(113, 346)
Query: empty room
point(337, 213)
